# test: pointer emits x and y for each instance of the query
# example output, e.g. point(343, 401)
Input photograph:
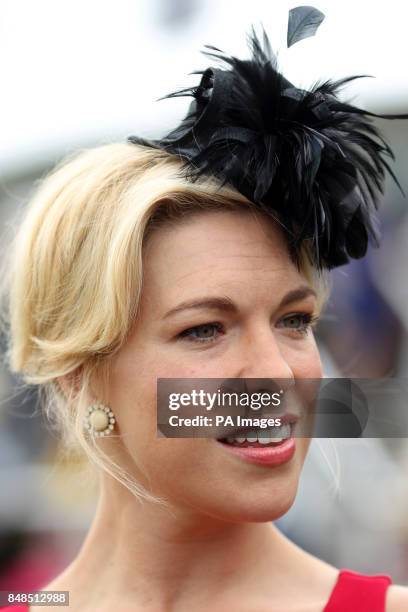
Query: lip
point(269, 455)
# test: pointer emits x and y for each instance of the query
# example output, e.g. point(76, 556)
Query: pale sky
point(83, 71)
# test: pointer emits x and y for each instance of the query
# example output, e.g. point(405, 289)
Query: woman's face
point(213, 255)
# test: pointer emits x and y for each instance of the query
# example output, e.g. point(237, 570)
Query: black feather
point(316, 164)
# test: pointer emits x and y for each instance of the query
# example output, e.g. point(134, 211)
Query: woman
point(124, 271)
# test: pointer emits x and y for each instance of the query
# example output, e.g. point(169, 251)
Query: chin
point(260, 496)
point(267, 509)
point(257, 504)
point(262, 512)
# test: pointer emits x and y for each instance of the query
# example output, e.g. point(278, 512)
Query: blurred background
point(76, 74)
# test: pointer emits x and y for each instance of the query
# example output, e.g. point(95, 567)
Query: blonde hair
point(74, 273)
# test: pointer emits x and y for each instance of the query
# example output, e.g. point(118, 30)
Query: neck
point(144, 552)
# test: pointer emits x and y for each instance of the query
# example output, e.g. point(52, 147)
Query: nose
point(260, 356)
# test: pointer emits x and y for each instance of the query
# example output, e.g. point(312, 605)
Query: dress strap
point(354, 591)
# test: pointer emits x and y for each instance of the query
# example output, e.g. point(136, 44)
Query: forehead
point(217, 250)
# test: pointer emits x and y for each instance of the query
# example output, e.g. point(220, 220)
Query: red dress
point(353, 592)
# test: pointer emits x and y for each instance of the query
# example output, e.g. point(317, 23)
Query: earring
point(99, 419)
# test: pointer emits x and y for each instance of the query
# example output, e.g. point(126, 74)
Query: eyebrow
point(225, 304)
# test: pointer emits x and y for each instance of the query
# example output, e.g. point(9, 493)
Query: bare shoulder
point(397, 598)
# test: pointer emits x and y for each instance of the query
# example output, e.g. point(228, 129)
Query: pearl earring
point(99, 420)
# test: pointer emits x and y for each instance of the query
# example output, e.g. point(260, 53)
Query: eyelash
point(308, 322)
point(187, 332)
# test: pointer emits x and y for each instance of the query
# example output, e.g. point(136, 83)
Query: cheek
point(171, 460)
point(304, 360)
point(179, 469)
point(303, 445)
point(133, 395)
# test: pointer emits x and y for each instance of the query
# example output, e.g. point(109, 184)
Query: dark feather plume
point(313, 162)
point(303, 22)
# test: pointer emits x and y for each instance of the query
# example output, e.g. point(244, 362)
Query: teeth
point(281, 432)
point(252, 436)
point(277, 434)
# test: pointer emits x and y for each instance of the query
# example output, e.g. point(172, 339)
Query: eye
point(208, 332)
point(299, 322)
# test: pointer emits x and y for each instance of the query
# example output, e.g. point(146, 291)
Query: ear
point(70, 384)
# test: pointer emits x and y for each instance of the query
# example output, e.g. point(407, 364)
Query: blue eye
point(208, 332)
point(299, 322)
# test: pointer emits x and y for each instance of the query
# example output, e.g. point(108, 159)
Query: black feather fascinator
point(313, 162)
